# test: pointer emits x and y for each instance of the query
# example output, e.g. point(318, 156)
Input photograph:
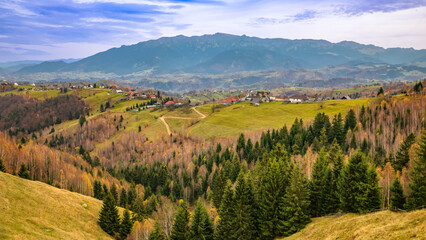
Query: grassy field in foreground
point(380, 225)
point(241, 117)
point(35, 210)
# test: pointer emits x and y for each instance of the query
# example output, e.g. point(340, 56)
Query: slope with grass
point(234, 119)
point(379, 225)
point(35, 210)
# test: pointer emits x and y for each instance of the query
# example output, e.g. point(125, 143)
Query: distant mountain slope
point(44, 67)
point(379, 225)
point(222, 53)
point(34, 210)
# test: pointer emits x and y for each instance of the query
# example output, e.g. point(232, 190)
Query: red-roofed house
point(152, 96)
point(169, 103)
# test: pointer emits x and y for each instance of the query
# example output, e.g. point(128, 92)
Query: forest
point(258, 185)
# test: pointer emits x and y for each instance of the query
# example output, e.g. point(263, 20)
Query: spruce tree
point(157, 234)
point(180, 229)
point(23, 172)
point(336, 157)
point(416, 198)
point(97, 190)
point(338, 129)
point(397, 199)
point(126, 225)
point(225, 225)
point(372, 191)
point(352, 184)
point(108, 218)
point(273, 182)
point(114, 192)
point(218, 184)
point(402, 157)
point(350, 121)
point(245, 221)
point(297, 202)
point(317, 184)
point(201, 227)
point(123, 198)
point(2, 167)
point(139, 210)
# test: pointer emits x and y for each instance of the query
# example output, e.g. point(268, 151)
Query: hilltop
point(379, 225)
point(35, 210)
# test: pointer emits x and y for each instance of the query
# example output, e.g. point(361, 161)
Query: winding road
point(163, 119)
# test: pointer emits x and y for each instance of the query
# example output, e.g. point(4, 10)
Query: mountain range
point(224, 53)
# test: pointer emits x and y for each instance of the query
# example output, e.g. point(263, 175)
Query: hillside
point(222, 53)
point(379, 225)
point(35, 210)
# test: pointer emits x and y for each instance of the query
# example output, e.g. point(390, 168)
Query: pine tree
point(157, 234)
point(397, 199)
point(317, 184)
point(274, 180)
point(225, 225)
point(23, 172)
point(380, 92)
point(123, 198)
point(2, 167)
point(201, 227)
point(246, 226)
point(126, 225)
point(416, 198)
point(180, 229)
point(402, 157)
point(108, 218)
point(297, 202)
point(338, 129)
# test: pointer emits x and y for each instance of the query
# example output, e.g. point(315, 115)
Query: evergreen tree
point(416, 198)
point(131, 195)
point(82, 120)
point(123, 198)
point(114, 192)
point(418, 87)
point(338, 129)
point(139, 210)
point(157, 234)
point(350, 121)
point(126, 225)
point(97, 190)
point(226, 225)
point(353, 142)
point(274, 180)
point(240, 144)
point(2, 167)
point(23, 172)
point(108, 218)
point(248, 151)
point(218, 184)
point(372, 191)
point(246, 226)
point(397, 200)
point(380, 92)
point(201, 226)
point(297, 202)
point(336, 157)
point(317, 184)
point(402, 157)
point(180, 229)
point(364, 147)
point(352, 184)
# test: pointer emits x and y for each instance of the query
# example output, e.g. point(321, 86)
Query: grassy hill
point(234, 119)
point(34, 210)
point(379, 225)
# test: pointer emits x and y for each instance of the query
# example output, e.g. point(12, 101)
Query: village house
point(297, 98)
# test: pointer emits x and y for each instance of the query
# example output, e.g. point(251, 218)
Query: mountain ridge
point(186, 54)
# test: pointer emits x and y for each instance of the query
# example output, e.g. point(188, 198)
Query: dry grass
point(380, 225)
point(34, 210)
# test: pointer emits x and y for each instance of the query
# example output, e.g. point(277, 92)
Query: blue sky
point(56, 29)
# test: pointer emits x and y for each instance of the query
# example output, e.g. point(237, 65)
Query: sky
point(62, 29)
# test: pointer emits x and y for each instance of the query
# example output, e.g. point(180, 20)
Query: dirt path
point(163, 119)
